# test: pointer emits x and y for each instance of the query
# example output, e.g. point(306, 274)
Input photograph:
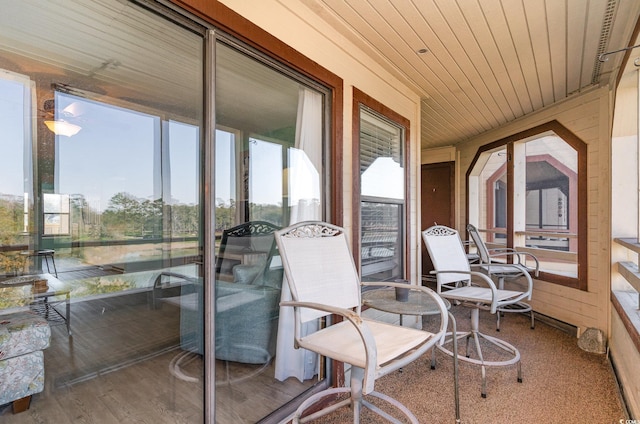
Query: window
point(380, 138)
point(16, 194)
point(127, 187)
point(265, 185)
point(528, 192)
point(625, 218)
point(56, 214)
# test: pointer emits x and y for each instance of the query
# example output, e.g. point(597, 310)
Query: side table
point(418, 304)
point(45, 304)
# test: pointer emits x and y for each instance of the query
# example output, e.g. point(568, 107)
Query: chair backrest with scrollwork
point(447, 254)
point(253, 237)
point(319, 266)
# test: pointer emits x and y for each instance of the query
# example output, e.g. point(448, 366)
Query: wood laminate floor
point(123, 364)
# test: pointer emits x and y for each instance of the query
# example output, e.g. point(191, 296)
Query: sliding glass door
point(269, 173)
point(104, 194)
point(102, 113)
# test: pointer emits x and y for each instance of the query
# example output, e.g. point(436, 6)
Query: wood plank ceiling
point(488, 62)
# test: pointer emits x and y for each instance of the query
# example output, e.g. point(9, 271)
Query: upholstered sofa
point(23, 336)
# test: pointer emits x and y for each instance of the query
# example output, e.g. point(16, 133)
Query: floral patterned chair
point(23, 336)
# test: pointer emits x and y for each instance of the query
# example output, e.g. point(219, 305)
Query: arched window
point(528, 192)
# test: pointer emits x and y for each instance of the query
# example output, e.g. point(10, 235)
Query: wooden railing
point(540, 252)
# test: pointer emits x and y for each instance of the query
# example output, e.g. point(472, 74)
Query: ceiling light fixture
point(62, 127)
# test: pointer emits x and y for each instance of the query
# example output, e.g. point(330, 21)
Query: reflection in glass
point(384, 178)
point(551, 203)
point(382, 190)
point(56, 214)
point(116, 203)
point(269, 149)
point(15, 163)
point(265, 175)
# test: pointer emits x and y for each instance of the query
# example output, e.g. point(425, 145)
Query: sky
point(115, 151)
point(118, 150)
point(12, 138)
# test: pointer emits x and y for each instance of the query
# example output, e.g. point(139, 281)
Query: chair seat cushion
point(478, 294)
point(504, 270)
point(342, 342)
point(22, 333)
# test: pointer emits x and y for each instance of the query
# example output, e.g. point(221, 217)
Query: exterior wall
point(441, 154)
point(300, 28)
point(624, 224)
point(587, 116)
point(625, 357)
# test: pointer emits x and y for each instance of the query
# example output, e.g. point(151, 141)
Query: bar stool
point(46, 254)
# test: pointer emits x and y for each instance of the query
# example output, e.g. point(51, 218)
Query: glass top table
point(419, 303)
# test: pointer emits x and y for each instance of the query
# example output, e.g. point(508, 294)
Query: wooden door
point(437, 201)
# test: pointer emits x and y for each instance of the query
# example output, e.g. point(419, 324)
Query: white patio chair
point(324, 282)
point(454, 282)
point(492, 261)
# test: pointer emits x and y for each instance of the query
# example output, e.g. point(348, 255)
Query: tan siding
point(583, 116)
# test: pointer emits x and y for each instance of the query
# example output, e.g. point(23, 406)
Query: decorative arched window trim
point(580, 282)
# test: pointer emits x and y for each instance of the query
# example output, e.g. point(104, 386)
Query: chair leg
point(21, 405)
point(433, 358)
point(514, 358)
point(519, 366)
point(483, 390)
point(357, 374)
point(476, 340)
point(356, 401)
point(533, 323)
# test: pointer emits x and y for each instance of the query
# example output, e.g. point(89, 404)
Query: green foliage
point(225, 214)
point(269, 213)
point(128, 216)
point(14, 296)
point(12, 262)
point(11, 221)
point(185, 220)
point(101, 285)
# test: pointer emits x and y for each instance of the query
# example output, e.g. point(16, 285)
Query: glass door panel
point(102, 174)
point(269, 173)
point(16, 190)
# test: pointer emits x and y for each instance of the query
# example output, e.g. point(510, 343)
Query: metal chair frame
point(495, 268)
point(454, 282)
point(323, 279)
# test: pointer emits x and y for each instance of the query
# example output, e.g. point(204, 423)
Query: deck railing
point(630, 270)
point(627, 302)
